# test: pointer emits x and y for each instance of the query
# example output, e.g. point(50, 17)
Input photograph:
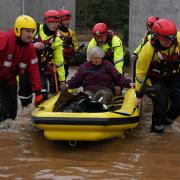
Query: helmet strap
point(62, 28)
point(47, 31)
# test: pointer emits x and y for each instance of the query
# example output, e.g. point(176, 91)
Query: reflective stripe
point(156, 70)
point(34, 61)
point(44, 90)
point(139, 80)
point(26, 97)
point(59, 65)
point(7, 63)
point(160, 56)
point(118, 60)
point(159, 127)
point(22, 65)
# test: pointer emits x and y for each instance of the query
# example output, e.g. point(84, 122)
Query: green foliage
point(115, 13)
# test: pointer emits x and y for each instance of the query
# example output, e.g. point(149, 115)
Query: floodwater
point(25, 154)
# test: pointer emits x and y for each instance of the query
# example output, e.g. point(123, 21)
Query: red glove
point(38, 99)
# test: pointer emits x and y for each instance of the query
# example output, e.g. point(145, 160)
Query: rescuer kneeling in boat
point(158, 74)
point(98, 77)
point(68, 36)
point(17, 56)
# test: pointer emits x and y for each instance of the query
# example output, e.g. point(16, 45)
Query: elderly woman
point(98, 77)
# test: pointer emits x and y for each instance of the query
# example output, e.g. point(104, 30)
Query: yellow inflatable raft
point(84, 126)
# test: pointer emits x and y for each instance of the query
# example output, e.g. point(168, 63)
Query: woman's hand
point(117, 90)
point(132, 85)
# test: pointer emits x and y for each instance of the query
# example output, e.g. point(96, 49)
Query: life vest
point(109, 55)
point(11, 63)
point(44, 59)
point(68, 46)
point(45, 55)
point(166, 65)
point(146, 38)
point(110, 52)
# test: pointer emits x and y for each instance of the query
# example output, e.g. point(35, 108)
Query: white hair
point(97, 51)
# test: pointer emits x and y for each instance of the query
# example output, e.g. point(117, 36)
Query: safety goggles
point(170, 37)
point(150, 24)
point(53, 17)
point(66, 17)
point(99, 35)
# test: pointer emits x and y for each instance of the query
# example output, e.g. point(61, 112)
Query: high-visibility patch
point(26, 97)
point(34, 61)
point(22, 65)
point(119, 60)
point(7, 63)
point(139, 80)
point(59, 65)
point(156, 70)
point(160, 55)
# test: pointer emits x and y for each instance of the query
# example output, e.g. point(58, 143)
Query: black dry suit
point(164, 74)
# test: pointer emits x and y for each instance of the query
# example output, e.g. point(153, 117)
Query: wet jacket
point(70, 44)
point(94, 77)
point(113, 48)
point(146, 38)
point(54, 45)
point(16, 58)
point(155, 65)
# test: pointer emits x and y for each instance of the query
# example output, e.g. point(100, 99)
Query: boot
point(168, 121)
point(157, 129)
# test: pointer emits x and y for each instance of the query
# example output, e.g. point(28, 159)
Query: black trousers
point(66, 69)
point(25, 90)
point(166, 102)
point(8, 102)
point(48, 86)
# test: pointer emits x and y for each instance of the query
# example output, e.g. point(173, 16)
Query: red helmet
point(99, 30)
point(65, 14)
point(51, 16)
point(164, 28)
point(151, 20)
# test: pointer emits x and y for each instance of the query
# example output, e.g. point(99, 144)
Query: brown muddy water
point(25, 154)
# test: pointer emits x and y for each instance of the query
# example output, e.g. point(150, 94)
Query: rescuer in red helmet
point(68, 36)
point(149, 24)
point(158, 74)
point(48, 46)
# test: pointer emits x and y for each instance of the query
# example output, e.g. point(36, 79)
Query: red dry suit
point(16, 58)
